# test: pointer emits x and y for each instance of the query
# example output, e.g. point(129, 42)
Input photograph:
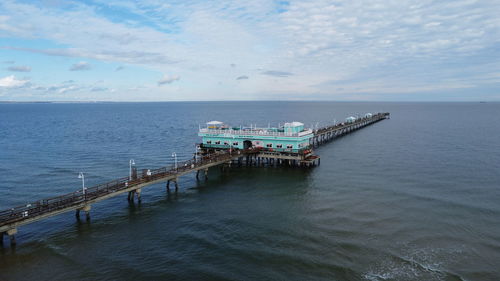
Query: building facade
point(291, 137)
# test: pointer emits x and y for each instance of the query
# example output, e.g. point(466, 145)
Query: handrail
point(51, 204)
point(254, 132)
point(341, 126)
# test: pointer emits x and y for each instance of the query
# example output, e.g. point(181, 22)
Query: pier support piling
point(130, 195)
point(12, 234)
point(86, 209)
point(138, 192)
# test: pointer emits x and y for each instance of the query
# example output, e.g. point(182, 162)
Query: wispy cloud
point(119, 68)
point(19, 68)
point(64, 90)
point(98, 89)
point(277, 73)
point(132, 56)
point(80, 66)
point(243, 77)
point(167, 79)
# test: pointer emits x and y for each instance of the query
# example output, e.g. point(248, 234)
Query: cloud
point(131, 56)
point(80, 66)
point(67, 89)
point(328, 44)
point(98, 89)
point(8, 62)
point(167, 79)
point(243, 77)
point(69, 86)
point(12, 82)
point(19, 68)
point(277, 73)
point(119, 68)
point(60, 89)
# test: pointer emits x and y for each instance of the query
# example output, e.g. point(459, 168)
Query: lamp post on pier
point(82, 176)
point(130, 163)
point(195, 152)
point(175, 159)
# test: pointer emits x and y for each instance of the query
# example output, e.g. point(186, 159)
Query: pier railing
point(340, 126)
point(79, 197)
point(254, 132)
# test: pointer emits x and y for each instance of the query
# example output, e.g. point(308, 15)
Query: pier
point(83, 199)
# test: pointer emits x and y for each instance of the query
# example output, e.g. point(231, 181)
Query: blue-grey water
point(416, 197)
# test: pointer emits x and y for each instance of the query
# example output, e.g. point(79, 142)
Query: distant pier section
point(222, 146)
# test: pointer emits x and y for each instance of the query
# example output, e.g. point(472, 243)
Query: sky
point(151, 50)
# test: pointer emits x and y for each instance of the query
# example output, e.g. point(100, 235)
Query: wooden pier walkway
point(329, 133)
point(12, 219)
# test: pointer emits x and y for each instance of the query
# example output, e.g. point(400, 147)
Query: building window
point(289, 146)
point(279, 146)
point(217, 142)
point(235, 143)
point(209, 142)
point(269, 145)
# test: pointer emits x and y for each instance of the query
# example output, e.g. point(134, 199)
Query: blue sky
point(150, 50)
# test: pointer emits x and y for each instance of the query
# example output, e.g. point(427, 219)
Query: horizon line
point(160, 101)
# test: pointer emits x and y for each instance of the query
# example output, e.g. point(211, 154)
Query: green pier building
point(291, 137)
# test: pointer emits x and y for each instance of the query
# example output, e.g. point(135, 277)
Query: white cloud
point(167, 79)
point(12, 82)
point(67, 89)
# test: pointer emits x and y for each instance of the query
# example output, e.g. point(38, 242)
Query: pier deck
point(15, 217)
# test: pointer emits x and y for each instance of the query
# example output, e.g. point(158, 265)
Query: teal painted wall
point(258, 141)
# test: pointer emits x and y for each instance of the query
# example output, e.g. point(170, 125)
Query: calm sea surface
point(416, 197)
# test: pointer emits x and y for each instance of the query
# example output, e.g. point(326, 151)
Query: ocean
point(415, 197)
